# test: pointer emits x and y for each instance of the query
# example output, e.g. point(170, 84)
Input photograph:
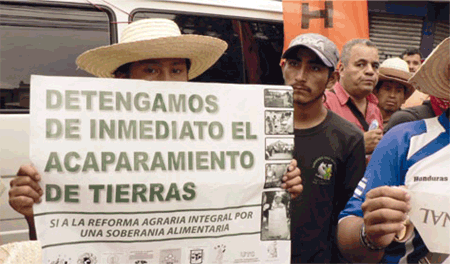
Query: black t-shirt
point(331, 157)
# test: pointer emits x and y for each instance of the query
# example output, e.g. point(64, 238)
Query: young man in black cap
point(329, 149)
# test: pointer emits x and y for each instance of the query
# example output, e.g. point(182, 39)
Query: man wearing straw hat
point(152, 50)
point(392, 88)
point(374, 227)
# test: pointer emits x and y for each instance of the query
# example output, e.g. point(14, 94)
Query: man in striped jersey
point(372, 226)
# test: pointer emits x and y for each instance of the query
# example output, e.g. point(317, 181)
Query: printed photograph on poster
point(274, 173)
point(279, 148)
point(278, 98)
point(279, 122)
point(275, 219)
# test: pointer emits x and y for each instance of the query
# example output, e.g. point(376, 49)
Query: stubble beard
point(310, 102)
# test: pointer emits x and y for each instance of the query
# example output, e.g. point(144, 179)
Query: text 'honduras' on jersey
point(409, 153)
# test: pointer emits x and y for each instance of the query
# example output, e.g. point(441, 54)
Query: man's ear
point(340, 67)
point(332, 80)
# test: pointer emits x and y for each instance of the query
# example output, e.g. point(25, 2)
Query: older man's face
point(360, 75)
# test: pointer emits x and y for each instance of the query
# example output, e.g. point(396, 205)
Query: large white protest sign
point(430, 215)
point(429, 186)
point(161, 172)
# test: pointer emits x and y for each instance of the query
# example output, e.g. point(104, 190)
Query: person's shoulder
point(415, 112)
point(331, 99)
point(331, 94)
point(345, 133)
point(407, 113)
point(341, 124)
point(399, 117)
point(405, 131)
point(410, 114)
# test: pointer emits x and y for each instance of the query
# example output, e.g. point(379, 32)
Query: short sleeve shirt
point(331, 159)
point(407, 153)
point(337, 102)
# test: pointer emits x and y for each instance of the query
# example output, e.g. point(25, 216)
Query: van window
point(254, 47)
point(45, 40)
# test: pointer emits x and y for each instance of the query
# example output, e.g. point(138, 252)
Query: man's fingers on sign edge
point(384, 216)
point(292, 169)
point(24, 191)
point(384, 202)
point(292, 165)
point(296, 190)
point(387, 191)
point(21, 202)
point(29, 170)
point(21, 181)
point(292, 174)
point(292, 182)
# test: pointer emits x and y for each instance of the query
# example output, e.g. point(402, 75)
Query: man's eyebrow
point(175, 63)
point(317, 61)
point(293, 59)
point(154, 63)
point(366, 61)
point(361, 60)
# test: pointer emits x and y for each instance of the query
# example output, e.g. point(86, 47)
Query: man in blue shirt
point(371, 227)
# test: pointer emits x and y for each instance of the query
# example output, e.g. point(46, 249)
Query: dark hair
point(411, 51)
point(380, 83)
point(330, 71)
point(346, 50)
point(125, 69)
point(378, 86)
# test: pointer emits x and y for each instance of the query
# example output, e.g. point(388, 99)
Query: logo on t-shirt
point(324, 167)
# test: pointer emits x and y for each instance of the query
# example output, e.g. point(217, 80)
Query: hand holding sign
point(385, 210)
point(292, 180)
point(25, 190)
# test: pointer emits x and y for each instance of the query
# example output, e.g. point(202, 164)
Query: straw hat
point(396, 69)
point(153, 39)
point(433, 76)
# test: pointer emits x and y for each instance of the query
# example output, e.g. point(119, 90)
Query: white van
point(45, 37)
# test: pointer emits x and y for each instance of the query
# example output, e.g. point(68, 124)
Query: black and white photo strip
point(279, 148)
point(274, 173)
point(278, 98)
point(279, 122)
point(275, 219)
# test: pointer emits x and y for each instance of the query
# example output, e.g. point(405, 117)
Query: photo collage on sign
point(279, 147)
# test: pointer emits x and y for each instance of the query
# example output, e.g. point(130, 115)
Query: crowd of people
point(344, 208)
